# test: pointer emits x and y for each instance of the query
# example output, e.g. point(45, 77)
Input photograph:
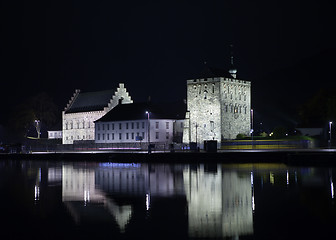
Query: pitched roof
point(90, 101)
point(137, 111)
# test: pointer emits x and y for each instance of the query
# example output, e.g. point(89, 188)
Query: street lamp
point(148, 127)
point(38, 128)
point(252, 126)
point(330, 123)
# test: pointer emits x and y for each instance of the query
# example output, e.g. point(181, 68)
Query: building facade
point(54, 134)
point(218, 107)
point(84, 108)
point(137, 122)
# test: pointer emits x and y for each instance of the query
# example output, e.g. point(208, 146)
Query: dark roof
point(211, 72)
point(91, 101)
point(137, 111)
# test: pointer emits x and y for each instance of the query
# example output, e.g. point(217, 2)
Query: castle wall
point(80, 126)
point(203, 101)
point(218, 109)
point(235, 107)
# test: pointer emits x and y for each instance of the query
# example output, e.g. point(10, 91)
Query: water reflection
point(185, 201)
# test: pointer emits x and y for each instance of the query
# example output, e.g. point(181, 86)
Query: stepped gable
point(90, 101)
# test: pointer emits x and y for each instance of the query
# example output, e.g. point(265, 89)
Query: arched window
point(205, 94)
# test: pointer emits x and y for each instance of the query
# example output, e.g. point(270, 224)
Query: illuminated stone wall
point(80, 125)
point(218, 108)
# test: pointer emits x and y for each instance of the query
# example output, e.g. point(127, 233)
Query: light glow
point(147, 201)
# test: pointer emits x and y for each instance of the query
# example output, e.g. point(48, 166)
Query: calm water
point(55, 200)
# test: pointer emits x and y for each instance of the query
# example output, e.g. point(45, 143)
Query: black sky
point(155, 46)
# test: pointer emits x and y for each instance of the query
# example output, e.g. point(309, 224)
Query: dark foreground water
point(55, 200)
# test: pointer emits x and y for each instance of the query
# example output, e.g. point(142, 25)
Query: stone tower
point(218, 107)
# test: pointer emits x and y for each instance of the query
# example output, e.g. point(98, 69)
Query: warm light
point(272, 177)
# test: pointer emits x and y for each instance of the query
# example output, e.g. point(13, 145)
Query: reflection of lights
point(37, 193)
point(332, 189)
point(272, 177)
point(287, 177)
point(147, 201)
point(120, 165)
point(253, 204)
point(86, 196)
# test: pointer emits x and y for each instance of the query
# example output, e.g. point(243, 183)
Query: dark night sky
point(154, 47)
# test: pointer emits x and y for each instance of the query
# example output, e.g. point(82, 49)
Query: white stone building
point(54, 134)
point(86, 107)
point(218, 107)
point(130, 123)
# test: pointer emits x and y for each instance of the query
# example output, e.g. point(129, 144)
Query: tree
point(37, 110)
point(319, 109)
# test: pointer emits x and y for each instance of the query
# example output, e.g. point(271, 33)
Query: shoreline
point(314, 157)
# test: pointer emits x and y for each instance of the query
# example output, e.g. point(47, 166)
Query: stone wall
point(80, 126)
point(218, 108)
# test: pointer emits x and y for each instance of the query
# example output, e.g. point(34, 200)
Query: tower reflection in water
point(218, 202)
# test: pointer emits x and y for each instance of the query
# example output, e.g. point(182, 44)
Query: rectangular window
point(103, 136)
point(181, 124)
point(119, 136)
point(108, 136)
point(143, 135)
point(137, 125)
point(167, 135)
point(156, 125)
point(143, 124)
point(103, 126)
point(132, 125)
point(108, 127)
point(126, 135)
point(112, 126)
point(167, 125)
point(138, 134)
point(98, 127)
point(132, 135)
point(126, 125)
point(212, 125)
point(98, 136)
point(112, 136)
point(156, 135)
point(119, 125)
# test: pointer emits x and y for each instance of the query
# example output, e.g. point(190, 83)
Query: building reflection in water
point(219, 202)
point(79, 187)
